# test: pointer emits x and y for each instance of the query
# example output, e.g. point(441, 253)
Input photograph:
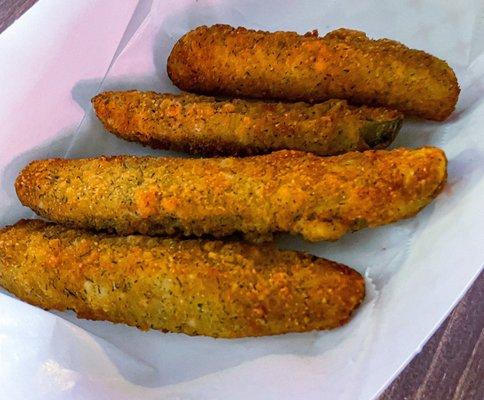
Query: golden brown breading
point(197, 287)
point(203, 125)
point(321, 198)
point(343, 64)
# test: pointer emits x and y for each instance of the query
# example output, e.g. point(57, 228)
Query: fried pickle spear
point(203, 125)
point(343, 64)
point(320, 198)
point(197, 287)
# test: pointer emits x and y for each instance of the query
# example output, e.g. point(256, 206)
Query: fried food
point(203, 125)
point(197, 287)
point(320, 198)
point(343, 64)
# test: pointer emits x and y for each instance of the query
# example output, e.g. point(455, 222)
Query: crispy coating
point(203, 125)
point(320, 198)
point(197, 287)
point(343, 64)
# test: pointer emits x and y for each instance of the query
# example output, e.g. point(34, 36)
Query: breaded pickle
point(197, 287)
point(320, 198)
point(344, 64)
point(204, 125)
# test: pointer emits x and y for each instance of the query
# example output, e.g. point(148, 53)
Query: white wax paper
point(416, 270)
